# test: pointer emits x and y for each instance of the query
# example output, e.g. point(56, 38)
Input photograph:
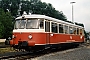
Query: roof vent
point(24, 13)
point(30, 13)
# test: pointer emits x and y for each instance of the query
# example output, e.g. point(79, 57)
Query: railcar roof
point(48, 18)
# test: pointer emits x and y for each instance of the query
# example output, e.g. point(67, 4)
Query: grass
point(8, 49)
point(5, 50)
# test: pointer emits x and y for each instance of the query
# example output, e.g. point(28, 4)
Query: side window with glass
point(66, 29)
point(47, 26)
point(54, 27)
point(28, 24)
point(60, 28)
point(41, 24)
point(32, 24)
point(17, 24)
point(81, 31)
point(77, 31)
point(70, 30)
point(74, 31)
point(22, 25)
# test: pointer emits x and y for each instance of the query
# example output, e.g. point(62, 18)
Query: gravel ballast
point(82, 53)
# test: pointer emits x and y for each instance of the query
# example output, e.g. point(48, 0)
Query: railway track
point(4, 46)
point(29, 55)
point(13, 54)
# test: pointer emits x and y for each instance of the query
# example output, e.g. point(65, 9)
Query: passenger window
point(54, 27)
point(60, 28)
point(77, 31)
point(81, 31)
point(47, 26)
point(66, 29)
point(41, 24)
point(70, 30)
point(74, 31)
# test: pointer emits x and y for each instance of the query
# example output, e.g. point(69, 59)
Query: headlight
point(30, 36)
point(13, 36)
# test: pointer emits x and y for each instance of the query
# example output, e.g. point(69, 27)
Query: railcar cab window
point(32, 24)
point(17, 23)
point(28, 24)
point(20, 24)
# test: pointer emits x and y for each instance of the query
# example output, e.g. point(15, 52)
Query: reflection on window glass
point(71, 30)
point(28, 24)
point(66, 29)
point(22, 25)
point(77, 31)
point(47, 26)
point(81, 31)
point(17, 24)
point(32, 24)
point(74, 31)
point(60, 28)
point(41, 24)
point(54, 27)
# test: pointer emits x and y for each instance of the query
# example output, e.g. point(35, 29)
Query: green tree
point(80, 24)
point(1, 30)
point(6, 24)
point(34, 6)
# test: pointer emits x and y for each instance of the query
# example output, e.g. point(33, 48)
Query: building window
point(54, 27)
point(60, 28)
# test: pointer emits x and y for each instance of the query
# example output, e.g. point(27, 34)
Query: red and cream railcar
point(40, 31)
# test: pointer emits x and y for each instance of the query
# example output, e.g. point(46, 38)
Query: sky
point(81, 10)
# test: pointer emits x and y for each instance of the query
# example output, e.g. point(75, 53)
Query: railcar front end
point(29, 33)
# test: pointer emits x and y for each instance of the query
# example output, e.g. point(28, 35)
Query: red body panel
point(65, 38)
point(39, 38)
point(46, 38)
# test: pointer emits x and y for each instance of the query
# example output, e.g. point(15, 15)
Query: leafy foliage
point(1, 30)
point(33, 6)
point(5, 24)
point(80, 24)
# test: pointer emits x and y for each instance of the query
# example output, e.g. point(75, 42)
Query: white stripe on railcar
point(28, 30)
